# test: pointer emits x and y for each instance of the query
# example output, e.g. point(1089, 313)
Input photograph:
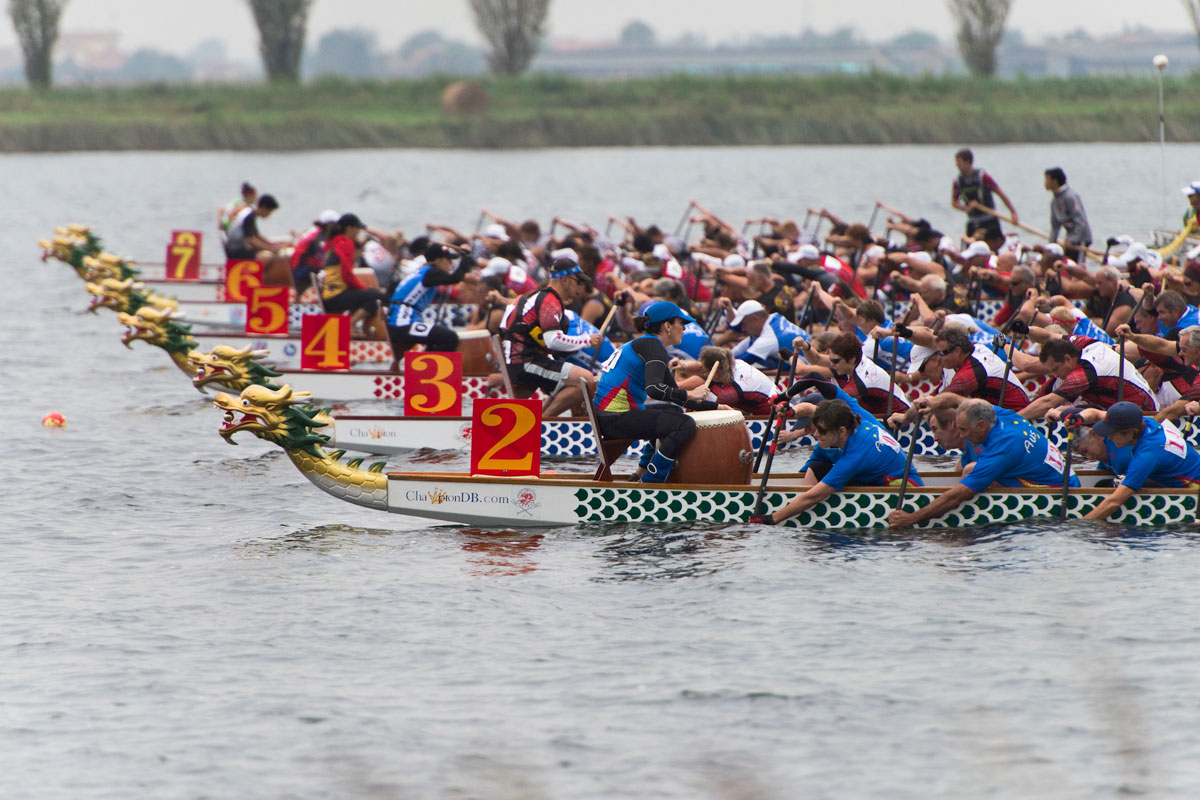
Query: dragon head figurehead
point(113, 293)
point(156, 326)
point(272, 414)
point(232, 368)
point(126, 295)
point(70, 245)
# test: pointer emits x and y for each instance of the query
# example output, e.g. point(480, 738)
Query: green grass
point(558, 111)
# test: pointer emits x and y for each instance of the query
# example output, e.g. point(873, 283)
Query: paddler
point(640, 371)
point(973, 187)
point(1011, 453)
point(405, 327)
point(735, 383)
point(852, 448)
point(1143, 452)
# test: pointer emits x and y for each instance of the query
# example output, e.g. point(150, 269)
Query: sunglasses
point(945, 352)
point(835, 360)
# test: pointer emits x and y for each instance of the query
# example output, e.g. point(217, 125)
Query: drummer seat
point(610, 449)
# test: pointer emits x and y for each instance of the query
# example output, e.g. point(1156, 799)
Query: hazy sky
point(178, 25)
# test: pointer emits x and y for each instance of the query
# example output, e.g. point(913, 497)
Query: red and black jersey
point(978, 379)
point(1097, 378)
point(1180, 375)
point(533, 315)
point(869, 384)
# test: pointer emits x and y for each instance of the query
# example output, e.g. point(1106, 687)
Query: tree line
point(512, 29)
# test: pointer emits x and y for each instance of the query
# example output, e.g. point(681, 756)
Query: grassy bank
point(561, 112)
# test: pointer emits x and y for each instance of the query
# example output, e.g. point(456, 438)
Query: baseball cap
point(733, 261)
point(1055, 249)
point(327, 217)
point(805, 251)
point(496, 231)
point(811, 397)
point(663, 310)
point(1191, 189)
point(918, 356)
point(497, 266)
point(565, 267)
point(1119, 417)
point(874, 251)
point(564, 252)
point(977, 248)
point(744, 310)
point(348, 220)
point(438, 250)
point(661, 252)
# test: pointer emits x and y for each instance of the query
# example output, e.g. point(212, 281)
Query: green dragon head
point(232, 368)
point(271, 414)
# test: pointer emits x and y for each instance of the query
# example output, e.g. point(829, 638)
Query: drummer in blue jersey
point(1011, 453)
point(1142, 451)
point(767, 334)
point(413, 296)
point(853, 448)
point(639, 370)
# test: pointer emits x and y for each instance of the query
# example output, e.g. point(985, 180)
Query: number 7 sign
point(183, 256)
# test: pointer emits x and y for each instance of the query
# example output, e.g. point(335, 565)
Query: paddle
point(1071, 422)
point(1012, 346)
point(1027, 228)
point(892, 369)
point(766, 436)
point(603, 328)
point(1120, 369)
point(779, 419)
point(687, 215)
point(712, 373)
point(912, 448)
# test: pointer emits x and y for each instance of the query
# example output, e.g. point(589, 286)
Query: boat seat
point(502, 368)
point(610, 449)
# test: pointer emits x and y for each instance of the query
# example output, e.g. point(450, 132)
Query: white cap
point(661, 252)
point(806, 251)
point(496, 231)
point(1138, 251)
point(733, 261)
point(918, 356)
point(497, 266)
point(874, 251)
point(977, 248)
point(920, 255)
point(564, 252)
point(328, 216)
point(516, 276)
point(1055, 249)
point(744, 310)
point(377, 256)
point(966, 320)
point(1191, 189)
point(945, 243)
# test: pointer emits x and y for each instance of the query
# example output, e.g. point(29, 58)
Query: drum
point(719, 453)
point(476, 349)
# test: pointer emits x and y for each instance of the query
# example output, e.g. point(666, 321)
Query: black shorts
point(665, 426)
point(542, 372)
point(352, 300)
point(990, 226)
point(436, 338)
point(240, 253)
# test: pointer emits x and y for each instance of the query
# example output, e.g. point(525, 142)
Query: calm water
point(184, 619)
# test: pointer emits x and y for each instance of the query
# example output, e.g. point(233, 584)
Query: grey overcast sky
point(178, 25)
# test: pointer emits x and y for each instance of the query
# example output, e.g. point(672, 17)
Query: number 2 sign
point(506, 437)
point(183, 256)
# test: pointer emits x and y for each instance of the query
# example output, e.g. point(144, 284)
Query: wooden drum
point(719, 453)
point(476, 349)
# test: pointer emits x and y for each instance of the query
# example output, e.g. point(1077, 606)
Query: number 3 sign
point(506, 437)
point(433, 384)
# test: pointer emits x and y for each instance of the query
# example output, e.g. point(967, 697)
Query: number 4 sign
point(325, 341)
point(506, 437)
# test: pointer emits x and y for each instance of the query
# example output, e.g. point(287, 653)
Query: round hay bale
point(465, 97)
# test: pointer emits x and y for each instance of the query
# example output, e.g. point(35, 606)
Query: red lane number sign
point(506, 437)
point(240, 277)
point(433, 384)
point(183, 256)
point(267, 310)
point(325, 341)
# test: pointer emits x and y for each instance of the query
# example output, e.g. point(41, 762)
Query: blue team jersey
point(1014, 453)
point(1085, 327)
point(763, 351)
point(1160, 455)
point(694, 340)
point(578, 326)
point(872, 457)
point(410, 299)
point(903, 346)
point(1190, 317)
point(622, 385)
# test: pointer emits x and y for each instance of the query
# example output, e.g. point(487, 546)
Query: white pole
point(1160, 62)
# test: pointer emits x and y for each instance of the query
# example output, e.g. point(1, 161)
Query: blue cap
point(1119, 417)
point(664, 310)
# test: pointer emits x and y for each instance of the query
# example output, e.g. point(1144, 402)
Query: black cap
point(438, 250)
point(350, 220)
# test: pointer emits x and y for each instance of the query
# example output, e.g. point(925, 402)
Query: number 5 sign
point(183, 256)
point(506, 437)
point(267, 310)
point(433, 384)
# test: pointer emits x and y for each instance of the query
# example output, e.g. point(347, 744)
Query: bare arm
point(946, 501)
point(1038, 408)
point(1108, 505)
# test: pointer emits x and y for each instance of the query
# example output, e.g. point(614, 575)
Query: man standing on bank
point(1067, 214)
point(972, 188)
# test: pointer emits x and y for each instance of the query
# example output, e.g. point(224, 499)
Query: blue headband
point(571, 270)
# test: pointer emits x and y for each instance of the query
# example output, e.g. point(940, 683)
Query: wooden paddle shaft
point(1030, 229)
point(711, 374)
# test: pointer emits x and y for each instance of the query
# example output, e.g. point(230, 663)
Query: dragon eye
point(246, 403)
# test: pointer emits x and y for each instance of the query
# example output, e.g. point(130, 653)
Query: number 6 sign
point(506, 437)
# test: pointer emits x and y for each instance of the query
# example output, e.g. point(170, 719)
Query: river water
point(184, 619)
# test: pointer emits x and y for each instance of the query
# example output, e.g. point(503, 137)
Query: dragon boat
point(555, 499)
